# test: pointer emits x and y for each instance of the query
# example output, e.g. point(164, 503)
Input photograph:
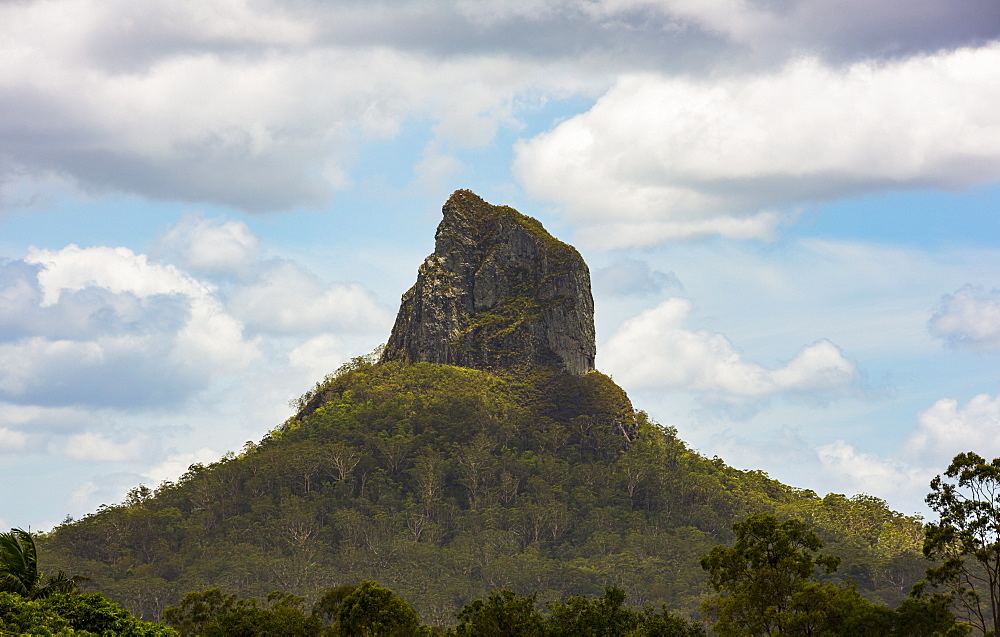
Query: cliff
point(499, 292)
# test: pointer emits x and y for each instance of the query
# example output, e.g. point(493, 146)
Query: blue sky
point(789, 210)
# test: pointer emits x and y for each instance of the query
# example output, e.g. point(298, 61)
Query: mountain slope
point(443, 483)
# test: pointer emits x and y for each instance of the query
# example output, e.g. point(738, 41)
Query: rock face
point(499, 292)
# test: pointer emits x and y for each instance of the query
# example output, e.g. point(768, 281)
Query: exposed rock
point(499, 292)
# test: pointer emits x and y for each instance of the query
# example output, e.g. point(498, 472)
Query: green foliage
point(19, 571)
point(444, 483)
point(19, 615)
point(928, 616)
point(767, 585)
point(213, 613)
point(968, 527)
point(507, 613)
point(65, 614)
point(327, 607)
point(608, 615)
point(375, 611)
point(503, 612)
point(763, 577)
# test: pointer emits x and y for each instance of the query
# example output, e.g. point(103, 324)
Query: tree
point(758, 576)
point(372, 610)
point(19, 568)
point(504, 612)
point(327, 607)
point(608, 615)
point(61, 614)
point(196, 610)
point(969, 527)
point(928, 616)
point(215, 614)
point(97, 614)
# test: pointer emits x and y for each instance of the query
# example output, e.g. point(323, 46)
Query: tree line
point(767, 582)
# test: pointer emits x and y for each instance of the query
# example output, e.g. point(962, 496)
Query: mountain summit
point(499, 292)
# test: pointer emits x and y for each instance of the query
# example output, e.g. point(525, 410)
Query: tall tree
point(372, 610)
point(966, 538)
point(504, 612)
point(759, 576)
point(19, 571)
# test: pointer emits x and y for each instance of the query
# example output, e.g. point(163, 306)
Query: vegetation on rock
point(498, 293)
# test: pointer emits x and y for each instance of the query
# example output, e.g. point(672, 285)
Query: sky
point(789, 209)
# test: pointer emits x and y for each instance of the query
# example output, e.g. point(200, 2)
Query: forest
point(469, 498)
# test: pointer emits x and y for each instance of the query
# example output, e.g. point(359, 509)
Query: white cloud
point(946, 429)
point(289, 299)
point(42, 421)
point(12, 440)
point(176, 465)
point(213, 339)
point(436, 168)
point(105, 326)
point(868, 473)
point(969, 318)
point(654, 350)
point(200, 244)
point(115, 269)
point(94, 447)
point(99, 489)
point(174, 109)
point(261, 106)
point(319, 356)
point(660, 158)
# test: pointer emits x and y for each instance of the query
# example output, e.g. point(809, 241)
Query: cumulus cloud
point(288, 299)
point(946, 429)
point(869, 473)
point(319, 356)
point(211, 245)
point(107, 327)
point(38, 420)
point(786, 447)
point(660, 158)
point(943, 430)
point(969, 318)
point(655, 350)
point(117, 270)
point(261, 106)
point(265, 294)
point(100, 489)
point(236, 116)
point(81, 496)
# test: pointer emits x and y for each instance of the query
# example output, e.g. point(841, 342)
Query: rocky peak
point(499, 292)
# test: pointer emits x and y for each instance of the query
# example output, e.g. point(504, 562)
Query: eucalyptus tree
point(965, 541)
point(761, 578)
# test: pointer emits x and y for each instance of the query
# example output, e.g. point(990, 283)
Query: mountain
point(477, 450)
point(499, 292)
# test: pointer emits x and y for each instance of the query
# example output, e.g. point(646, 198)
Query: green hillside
point(443, 483)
